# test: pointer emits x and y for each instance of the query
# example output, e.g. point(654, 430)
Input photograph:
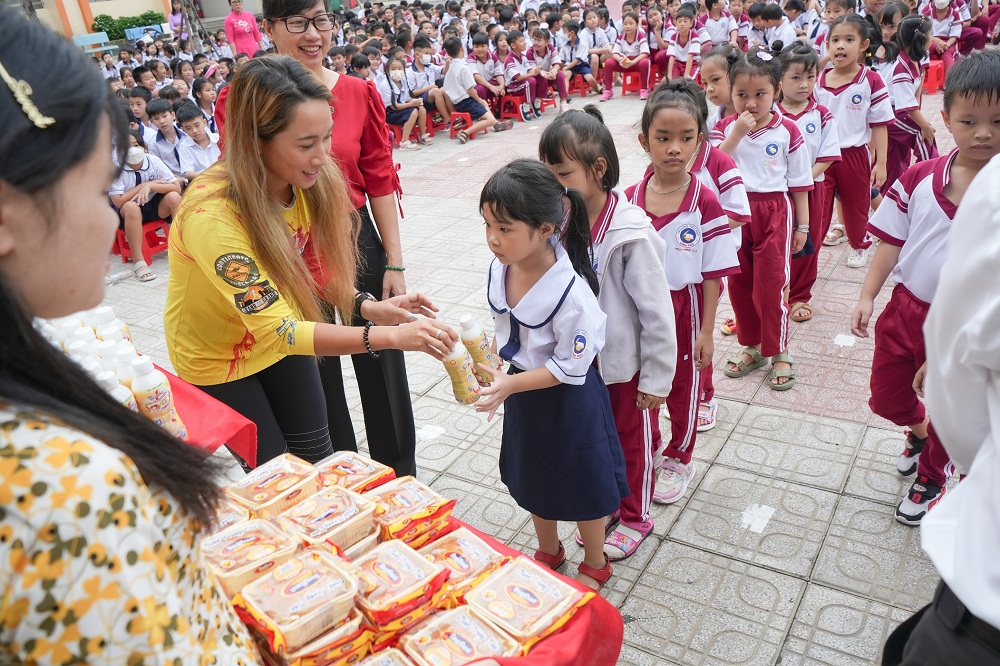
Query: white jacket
point(641, 337)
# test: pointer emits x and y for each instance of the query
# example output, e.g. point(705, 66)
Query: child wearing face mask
point(422, 77)
point(401, 107)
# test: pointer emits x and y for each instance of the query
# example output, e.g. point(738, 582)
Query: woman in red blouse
point(361, 146)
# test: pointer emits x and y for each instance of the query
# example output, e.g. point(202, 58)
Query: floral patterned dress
point(96, 567)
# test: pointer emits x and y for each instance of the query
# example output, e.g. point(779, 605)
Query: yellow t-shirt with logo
point(225, 319)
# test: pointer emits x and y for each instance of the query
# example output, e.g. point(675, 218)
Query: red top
point(360, 146)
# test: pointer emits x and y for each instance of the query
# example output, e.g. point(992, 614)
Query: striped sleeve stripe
point(796, 143)
point(901, 198)
point(715, 233)
point(880, 97)
point(726, 185)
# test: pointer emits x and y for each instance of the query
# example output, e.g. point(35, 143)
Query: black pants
point(286, 402)
point(385, 392)
point(943, 633)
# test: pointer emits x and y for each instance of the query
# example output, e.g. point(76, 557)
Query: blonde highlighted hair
point(262, 99)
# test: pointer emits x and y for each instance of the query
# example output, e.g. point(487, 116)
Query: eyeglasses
point(296, 24)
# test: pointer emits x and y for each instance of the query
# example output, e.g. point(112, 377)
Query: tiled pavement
point(784, 550)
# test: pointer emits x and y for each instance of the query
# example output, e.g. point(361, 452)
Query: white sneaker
point(564, 107)
point(857, 258)
point(672, 481)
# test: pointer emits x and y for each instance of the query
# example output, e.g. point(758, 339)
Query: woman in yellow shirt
point(243, 319)
point(101, 511)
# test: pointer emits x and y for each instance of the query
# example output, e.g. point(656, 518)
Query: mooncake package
point(469, 558)
point(298, 600)
point(230, 513)
point(406, 509)
point(246, 551)
point(364, 546)
point(334, 515)
point(275, 486)
point(457, 637)
point(390, 657)
point(348, 641)
point(353, 471)
point(397, 587)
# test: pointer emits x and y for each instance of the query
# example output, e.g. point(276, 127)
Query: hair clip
point(765, 56)
point(21, 90)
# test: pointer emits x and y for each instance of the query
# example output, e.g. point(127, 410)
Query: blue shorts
point(429, 105)
point(471, 107)
point(398, 116)
point(582, 70)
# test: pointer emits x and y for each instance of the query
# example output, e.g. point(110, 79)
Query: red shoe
point(551, 561)
point(600, 575)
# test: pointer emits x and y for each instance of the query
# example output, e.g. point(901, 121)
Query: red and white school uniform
point(819, 46)
point(856, 107)
point(904, 134)
point(639, 45)
point(719, 29)
point(817, 127)
point(743, 28)
point(698, 249)
point(546, 61)
point(916, 217)
point(973, 35)
point(773, 161)
point(944, 28)
point(656, 54)
point(492, 71)
point(680, 51)
point(518, 65)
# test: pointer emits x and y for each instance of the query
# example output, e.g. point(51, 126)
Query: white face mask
point(425, 59)
point(942, 4)
point(396, 75)
point(134, 155)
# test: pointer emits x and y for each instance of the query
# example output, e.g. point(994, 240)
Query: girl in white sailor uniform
point(560, 455)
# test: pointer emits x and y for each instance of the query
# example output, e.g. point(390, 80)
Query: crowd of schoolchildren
point(815, 108)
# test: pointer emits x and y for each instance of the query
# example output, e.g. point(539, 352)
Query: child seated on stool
point(575, 56)
point(546, 59)
point(460, 88)
point(487, 69)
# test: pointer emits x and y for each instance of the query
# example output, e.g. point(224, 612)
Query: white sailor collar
point(543, 300)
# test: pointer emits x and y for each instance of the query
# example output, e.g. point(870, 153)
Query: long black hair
point(526, 191)
point(914, 36)
point(33, 374)
point(582, 136)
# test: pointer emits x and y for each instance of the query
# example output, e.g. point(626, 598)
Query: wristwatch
point(360, 298)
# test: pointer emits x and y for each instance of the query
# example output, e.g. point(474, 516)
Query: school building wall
point(74, 17)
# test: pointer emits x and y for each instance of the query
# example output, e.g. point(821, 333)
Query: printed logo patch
point(258, 297)
point(579, 343)
point(237, 270)
point(856, 98)
point(771, 149)
point(687, 236)
point(810, 128)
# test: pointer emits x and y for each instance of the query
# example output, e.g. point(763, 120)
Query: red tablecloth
point(210, 423)
point(593, 636)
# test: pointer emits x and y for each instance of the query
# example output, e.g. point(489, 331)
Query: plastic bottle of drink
point(104, 317)
point(151, 389)
point(90, 319)
point(108, 382)
point(64, 329)
point(475, 340)
point(106, 348)
point(463, 381)
point(83, 334)
point(80, 349)
point(125, 355)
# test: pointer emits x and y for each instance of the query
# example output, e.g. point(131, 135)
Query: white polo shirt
point(197, 159)
point(632, 49)
point(458, 80)
point(558, 324)
point(906, 79)
point(489, 70)
point(516, 66)
point(166, 151)
point(947, 27)
point(682, 51)
point(571, 51)
point(697, 236)
point(594, 40)
point(416, 79)
point(393, 92)
point(857, 107)
point(771, 159)
point(784, 31)
point(719, 173)
point(546, 60)
point(816, 124)
point(917, 219)
point(719, 29)
point(152, 168)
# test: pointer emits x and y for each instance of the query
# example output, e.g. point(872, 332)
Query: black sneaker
point(907, 463)
point(526, 113)
point(538, 108)
point(920, 498)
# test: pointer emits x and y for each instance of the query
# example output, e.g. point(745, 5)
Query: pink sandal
point(551, 561)
point(600, 575)
point(625, 540)
point(610, 523)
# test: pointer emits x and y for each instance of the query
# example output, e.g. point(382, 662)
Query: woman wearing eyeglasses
point(241, 30)
point(361, 147)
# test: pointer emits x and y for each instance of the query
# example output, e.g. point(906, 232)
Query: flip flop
point(143, 273)
point(795, 308)
point(744, 368)
point(775, 374)
point(832, 239)
point(551, 561)
point(624, 541)
point(706, 412)
point(611, 524)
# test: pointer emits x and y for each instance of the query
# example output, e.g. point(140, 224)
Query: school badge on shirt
point(579, 343)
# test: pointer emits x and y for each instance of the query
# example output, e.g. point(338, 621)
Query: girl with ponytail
point(560, 455)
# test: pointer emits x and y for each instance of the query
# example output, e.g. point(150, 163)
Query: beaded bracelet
point(802, 229)
point(368, 346)
point(394, 268)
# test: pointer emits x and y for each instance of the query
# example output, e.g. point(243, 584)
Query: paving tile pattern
point(784, 550)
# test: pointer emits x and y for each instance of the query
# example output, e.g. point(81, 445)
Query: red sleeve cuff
point(883, 122)
point(908, 108)
point(713, 275)
point(803, 188)
point(829, 158)
point(742, 219)
point(891, 240)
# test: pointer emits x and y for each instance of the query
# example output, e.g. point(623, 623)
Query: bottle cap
point(103, 315)
point(64, 329)
point(78, 348)
point(92, 367)
point(110, 332)
point(106, 380)
point(467, 322)
point(126, 347)
point(107, 348)
point(142, 364)
point(83, 334)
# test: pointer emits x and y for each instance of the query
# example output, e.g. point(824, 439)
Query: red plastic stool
point(631, 82)
point(934, 77)
point(152, 241)
point(654, 75)
point(548, 101)
point(579, 85)
point(467, 119)
point(510, 107)
point(397, 132)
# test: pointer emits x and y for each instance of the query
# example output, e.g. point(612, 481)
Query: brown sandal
point(600, 575)
point(551, 561)
point(795, 308)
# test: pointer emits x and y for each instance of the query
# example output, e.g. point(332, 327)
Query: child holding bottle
point(560, 456)
point(628, 259)
point(688, 217)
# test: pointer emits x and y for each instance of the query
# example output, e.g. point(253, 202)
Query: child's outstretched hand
point(862, 314)
point(704, 349)
point(493, 394)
